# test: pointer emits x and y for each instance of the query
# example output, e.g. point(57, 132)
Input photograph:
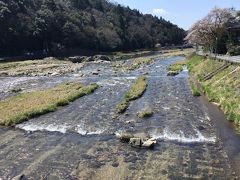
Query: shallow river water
point(79, 141)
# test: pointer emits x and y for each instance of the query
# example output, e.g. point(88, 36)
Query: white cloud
point(160, 12)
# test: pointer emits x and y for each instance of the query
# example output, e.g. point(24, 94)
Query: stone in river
point(115, 164)
point(77, 59)
point(95, 73)
point(19, 177)
point(136, 142)
point(125, 137)
point(149, 143)
point(172, 73)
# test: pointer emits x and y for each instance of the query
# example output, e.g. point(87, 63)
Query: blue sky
point(181, 12)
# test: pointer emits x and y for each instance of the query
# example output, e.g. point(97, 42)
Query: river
point(79, 141)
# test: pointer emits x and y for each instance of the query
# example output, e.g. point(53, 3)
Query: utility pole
point(216, 47)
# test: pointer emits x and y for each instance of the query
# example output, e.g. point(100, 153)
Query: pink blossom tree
point(208, 30)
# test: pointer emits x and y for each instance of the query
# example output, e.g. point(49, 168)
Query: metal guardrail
point(231, 59)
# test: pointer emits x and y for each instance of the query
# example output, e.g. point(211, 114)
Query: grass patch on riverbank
point(135, 92)
point(24, 106)
point(199, 66)
point(223, 88)
point(147, 112)
point(194, 89)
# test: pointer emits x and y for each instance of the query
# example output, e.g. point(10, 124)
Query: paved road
point(234, 59)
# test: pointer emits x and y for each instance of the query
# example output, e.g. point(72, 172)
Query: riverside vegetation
point(194, 89)
point(136, 91)
point(223, 88)
point(24, 106)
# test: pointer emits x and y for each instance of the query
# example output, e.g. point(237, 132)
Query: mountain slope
point(99, 25)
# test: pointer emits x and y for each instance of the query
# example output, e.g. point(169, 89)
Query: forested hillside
point(98, 25)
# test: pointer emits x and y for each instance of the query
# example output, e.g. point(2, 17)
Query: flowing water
point(79, 141)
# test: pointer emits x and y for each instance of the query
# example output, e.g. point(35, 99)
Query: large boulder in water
point(149, 143)
point(135, 142)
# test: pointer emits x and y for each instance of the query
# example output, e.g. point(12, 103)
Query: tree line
point(97, 25)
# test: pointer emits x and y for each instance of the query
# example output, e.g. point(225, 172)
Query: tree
point(95, 25)
point(211, 29)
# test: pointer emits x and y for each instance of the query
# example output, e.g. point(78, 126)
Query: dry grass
point(49, 65)
point(24, 106)
point(135, 63)
point(178, 52)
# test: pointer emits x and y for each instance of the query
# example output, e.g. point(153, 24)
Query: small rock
point(3, 73)
point(114, 116)
point(172, 73)
point(77, 59)
point(97, 164)
point(19, 177)
point(101, 57)
point(16, 90)
point(164, 172)
point(136, 142)
point(95, 73)
point(49, 59)
point(149, 143)
point(200, 128)
point(125, 137)
point(89, 59)
point(55, 74)
point(116, 164)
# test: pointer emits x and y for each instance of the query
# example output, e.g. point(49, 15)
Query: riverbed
point(79, 141)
